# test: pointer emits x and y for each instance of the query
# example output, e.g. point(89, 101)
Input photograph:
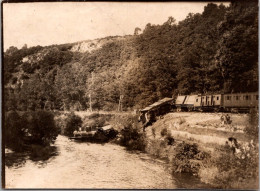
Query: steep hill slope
point(140, 69)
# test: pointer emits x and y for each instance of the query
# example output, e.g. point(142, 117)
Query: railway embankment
point(222, 155)
point(206, 129)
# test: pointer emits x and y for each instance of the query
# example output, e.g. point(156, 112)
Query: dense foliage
point(73, 123)
point(215, 51)
point(36, 127)
point(188, 158)
point(13, 132)
point(131, 132)
point(235, 167)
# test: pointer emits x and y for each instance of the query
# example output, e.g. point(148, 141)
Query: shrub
point(252, 129)
point(43, 128)
point(133, 139)
point(13, 130)
point(188, 158)
point(164, 132)
point(73, 122)
point(38, 126)
point(97, 120)
point(132, 135)
point(169, 138)
point(157, 148)
point(236, 169)
point(239, 170)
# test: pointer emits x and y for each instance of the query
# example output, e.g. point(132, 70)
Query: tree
point(13, 130)
point(237, 55)
point(73, 122)
point(43, 128)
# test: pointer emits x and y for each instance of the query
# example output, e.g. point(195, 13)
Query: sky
point(65, 22)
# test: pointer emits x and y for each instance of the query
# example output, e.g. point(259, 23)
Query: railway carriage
point(233, 102)
point(179, 103)
point(240, 101)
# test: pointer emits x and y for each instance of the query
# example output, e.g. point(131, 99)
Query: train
point(231, 102)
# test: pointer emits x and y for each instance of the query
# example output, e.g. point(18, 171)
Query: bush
point(252, 129)
point(239, 170)
point(43, 128)
point(157, 148)
point(170, 139)
point(132, 135)
point(236, 169)
point(164, 132)
point(36, 127)
point(188, 158)
point(96, 120)
point(13, 130)
point(73, 122)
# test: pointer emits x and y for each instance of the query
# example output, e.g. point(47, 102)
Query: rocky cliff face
point(91, 45)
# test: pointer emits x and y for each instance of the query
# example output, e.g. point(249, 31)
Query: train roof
point(158, 103)
point(190, 99)
point(180, 99)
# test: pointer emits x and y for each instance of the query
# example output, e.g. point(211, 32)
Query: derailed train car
point(233, 102)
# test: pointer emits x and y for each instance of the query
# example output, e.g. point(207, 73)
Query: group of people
point(225, 119)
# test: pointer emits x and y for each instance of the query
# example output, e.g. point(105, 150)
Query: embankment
point(202, 147)
point(192, 143)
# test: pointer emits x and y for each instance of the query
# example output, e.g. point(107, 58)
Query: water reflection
point(37, 154)
point(87, 165)
point(15, 160)
point(186, 180)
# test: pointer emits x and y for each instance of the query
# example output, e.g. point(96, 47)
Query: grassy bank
point(190, 143)
point(198, 144)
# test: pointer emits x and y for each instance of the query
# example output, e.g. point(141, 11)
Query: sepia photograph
point(130, 95)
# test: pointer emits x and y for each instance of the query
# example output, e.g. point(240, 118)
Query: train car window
point(197, 100)
point(228, 97)
point(237, 97)
point(256, 97)
point(246, 97)
point(217, 98)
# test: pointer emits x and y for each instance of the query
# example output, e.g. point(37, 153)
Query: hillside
point(216, 51)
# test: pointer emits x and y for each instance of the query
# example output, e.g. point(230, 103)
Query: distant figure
point(75, 133)
point(225, 119)
point(232, 142)
point(228, 119)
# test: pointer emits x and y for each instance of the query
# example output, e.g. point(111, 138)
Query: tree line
point(212, 52)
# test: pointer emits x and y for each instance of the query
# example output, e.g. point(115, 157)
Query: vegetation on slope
point(215, 51)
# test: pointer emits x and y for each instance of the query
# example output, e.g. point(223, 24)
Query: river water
point(88, 165)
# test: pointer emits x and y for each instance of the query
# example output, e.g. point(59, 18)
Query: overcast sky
point(56, 23)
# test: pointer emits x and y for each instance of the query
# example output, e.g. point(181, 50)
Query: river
point(88, 165)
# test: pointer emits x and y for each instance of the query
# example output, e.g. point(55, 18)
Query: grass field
point(204, 128)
